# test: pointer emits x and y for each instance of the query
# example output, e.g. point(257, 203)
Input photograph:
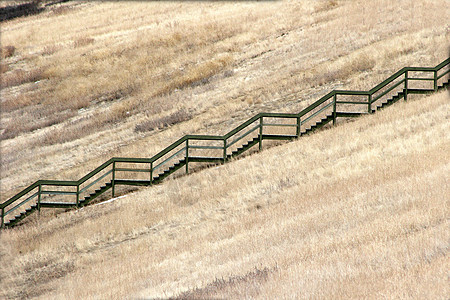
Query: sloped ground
point(356, 211)
point(80, 80)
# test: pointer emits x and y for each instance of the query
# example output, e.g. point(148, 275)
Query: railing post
point(39, 200)
point(113, 181)
point(334, 109)
point(78, 195)
point(224, 150)
point(260, 132)
point(3, 217)
point(370, 104)
point(406, 86)
point(435, 80)
point(299, 122)
point(187, 156)
point(151, 173)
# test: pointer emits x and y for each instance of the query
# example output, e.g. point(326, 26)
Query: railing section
point(218, 149)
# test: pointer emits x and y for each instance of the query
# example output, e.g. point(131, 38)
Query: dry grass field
point(352, 212)
point(356, 211)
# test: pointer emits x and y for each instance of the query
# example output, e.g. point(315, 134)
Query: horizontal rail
point(58, 193)
point(420, 91)
point(132, 170)
point(58, 204)
point(205, 137)
point(204, 147)
point(244, 135)
point(278, 137)
point(420, 69)
point(132, 160)
point(352, 93)
point(420, 78)
point(132, 182)
point(285, 125)
point(351, 102)
point(169, 158)
point(94, 182)
point(58, 183)
point(205, 159)
point(279, 115)
point(388, 90)
point(349, 114)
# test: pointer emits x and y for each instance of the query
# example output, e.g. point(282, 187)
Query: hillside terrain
point(364, 217)
point(100, 79)
point(355, 211)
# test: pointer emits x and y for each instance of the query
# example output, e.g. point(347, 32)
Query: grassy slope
point(103, 68)
point(369, 217)
point(359, 210)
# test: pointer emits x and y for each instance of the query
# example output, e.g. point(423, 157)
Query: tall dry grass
point(221, 63)
point(82, 79)
point(356, 211)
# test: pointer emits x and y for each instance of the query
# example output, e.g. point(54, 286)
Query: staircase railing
point(218, 149)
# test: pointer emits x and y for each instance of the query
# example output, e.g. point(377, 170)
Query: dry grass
point(326, 5)
point(83, 41)
point(174, 118)
point(19, 77)
point(84, 76)
point(236, 60)
point(31, 120)
point(3, 68)
point(248, 283)
point(8, 51)
point(356, 211)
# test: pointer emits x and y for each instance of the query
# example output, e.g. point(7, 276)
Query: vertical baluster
point(406, 86)
point(260, 132)
point(187, 156)
point(224, 150)
point(113, 181)
point(78, 195)
point(435, 81)
point(151, 173)
point(39, 199)
point(3, 217)
point(334, 109)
